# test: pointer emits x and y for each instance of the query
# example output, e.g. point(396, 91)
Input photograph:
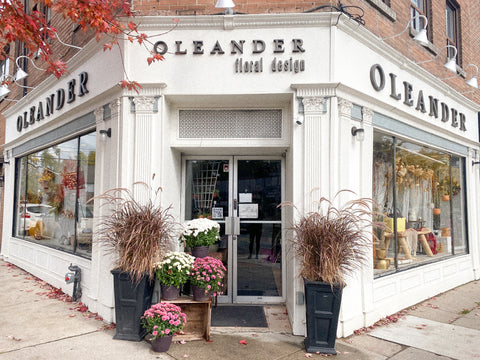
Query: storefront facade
point(246, 112)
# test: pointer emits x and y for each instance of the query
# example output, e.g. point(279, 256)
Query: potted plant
point(199, 234)
point(172, 272)
point(138, 234)
point(330, 244)
point(161, 322)
point(207, 278)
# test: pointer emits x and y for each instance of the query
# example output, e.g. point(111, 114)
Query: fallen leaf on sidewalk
point(13, 338)
point(308, 355)
point(243, 342)
point(185, 356)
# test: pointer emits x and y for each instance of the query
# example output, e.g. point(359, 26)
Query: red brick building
point(263, 104)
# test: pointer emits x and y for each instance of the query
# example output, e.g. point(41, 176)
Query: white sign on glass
point(248, 211)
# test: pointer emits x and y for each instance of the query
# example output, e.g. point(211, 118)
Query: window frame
point(455, 39)
point(463, 241)
point(418, 24)
point(17, 203)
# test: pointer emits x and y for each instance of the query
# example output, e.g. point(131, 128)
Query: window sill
point(384, 9)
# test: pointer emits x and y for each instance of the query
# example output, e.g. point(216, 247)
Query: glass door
point(242, 195)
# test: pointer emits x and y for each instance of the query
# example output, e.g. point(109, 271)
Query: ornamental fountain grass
point(138, 233)
point(330, 243)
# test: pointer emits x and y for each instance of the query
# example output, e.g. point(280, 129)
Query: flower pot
point(437, 211)
point(162, 344)
point(200, 251)
point(199, 293)
point(445, 197)
point(169, 292)
point(131, 301)
point(322, 304)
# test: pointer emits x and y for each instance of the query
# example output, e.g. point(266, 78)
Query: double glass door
point(242, 194)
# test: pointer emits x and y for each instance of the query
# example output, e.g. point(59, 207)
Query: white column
point(141, 150)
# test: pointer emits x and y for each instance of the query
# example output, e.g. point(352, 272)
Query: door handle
point(236, 225)
point(232, 225)
point(228, 225)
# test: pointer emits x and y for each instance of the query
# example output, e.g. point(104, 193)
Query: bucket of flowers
point(207, 278)
point(172, 272)
point(162, 321)
point(199, 234)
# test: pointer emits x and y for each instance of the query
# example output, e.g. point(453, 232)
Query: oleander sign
point(53, 102)
point(250, 57)
point(416, 99)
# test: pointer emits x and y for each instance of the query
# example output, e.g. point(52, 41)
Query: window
point(4, 65)
point(420, 7)
point(53, 190)
point(453, 34)
point(420, 193)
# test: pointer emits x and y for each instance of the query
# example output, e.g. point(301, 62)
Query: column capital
point(314, 104)
point(98, 112)
point(367, 115)
point(145, 104)
point(345, 107)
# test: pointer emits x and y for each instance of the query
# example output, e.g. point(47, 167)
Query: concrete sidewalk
point(37, 323)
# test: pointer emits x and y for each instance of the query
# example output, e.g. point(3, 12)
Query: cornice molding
point(315, 90)
point(231, 22)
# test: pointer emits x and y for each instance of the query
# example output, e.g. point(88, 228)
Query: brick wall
point(375, 20)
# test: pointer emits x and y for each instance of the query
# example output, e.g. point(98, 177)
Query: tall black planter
point(131, 301)
point(323, 307)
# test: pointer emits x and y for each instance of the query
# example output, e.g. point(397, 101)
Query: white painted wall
point(321, 153)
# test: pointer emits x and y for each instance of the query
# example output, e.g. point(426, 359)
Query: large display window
point(53, 189)
point(420, 197)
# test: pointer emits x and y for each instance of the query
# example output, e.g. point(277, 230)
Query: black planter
point(322, 303)
point(131, 301)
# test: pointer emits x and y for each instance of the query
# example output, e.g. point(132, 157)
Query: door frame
point(232, 296)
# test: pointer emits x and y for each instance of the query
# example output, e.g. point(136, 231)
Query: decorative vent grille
point(230, 124)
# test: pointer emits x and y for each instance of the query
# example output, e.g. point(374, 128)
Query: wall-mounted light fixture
point(473, 82)
point(228, 5)
point(451, 63)
point(4, 91)
point(20, 75)
point(420, 37)
point(105, 133)
point(475, 162)
point(359, 133)
point(301, 112)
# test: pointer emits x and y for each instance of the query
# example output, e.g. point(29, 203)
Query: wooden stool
point(402, 243)
point(423, 241)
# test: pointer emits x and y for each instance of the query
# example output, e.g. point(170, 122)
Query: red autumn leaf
point(243, 342)
point(102, 17)
point(132, 26)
